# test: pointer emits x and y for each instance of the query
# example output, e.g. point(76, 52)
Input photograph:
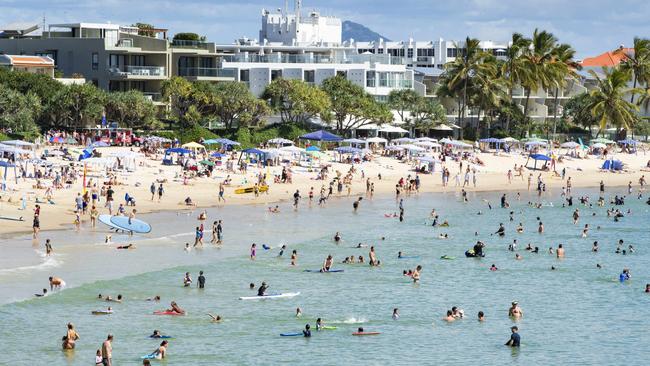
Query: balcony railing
point(316, 59)
point(154, 97)
point(189, 44)
point(206, 72)
point(389, 83)
point(138, 71)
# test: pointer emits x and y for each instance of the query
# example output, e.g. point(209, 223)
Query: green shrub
point(4, 137)
point(195, 134)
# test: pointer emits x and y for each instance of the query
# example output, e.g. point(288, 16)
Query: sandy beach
point(492, 176)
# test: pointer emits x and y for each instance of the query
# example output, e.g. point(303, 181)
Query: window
point(370, 79)
point(49, 53)
point(426, 52)
point(137, 60)
point(275, 74)
point(409, 53)
point(380, 51)
point(244, 76)
point(309, 76)
point(207, 62)
point(95, 82)
point(342, 73)
point(95, 60)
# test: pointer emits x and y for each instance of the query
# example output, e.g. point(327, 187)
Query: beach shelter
point(394, 148)
point(536, 157)
point(194, 147)
point(20, 143)
point(429, 139)
point(599, 145)
point(321, 135)
point(7, 165)
point(570, 145)
point(280, 141)
point(612, 164)
point(217, 155)
point(354, 141)
point(403, 140)
point(348, 150)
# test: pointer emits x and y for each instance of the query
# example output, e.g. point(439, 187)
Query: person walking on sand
point(161, 190)
point(152, 189)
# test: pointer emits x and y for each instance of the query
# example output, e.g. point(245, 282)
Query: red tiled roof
point(608, 59)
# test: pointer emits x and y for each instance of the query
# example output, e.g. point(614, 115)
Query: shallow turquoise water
point(576, 314)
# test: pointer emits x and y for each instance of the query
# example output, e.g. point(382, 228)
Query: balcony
point(154, 97)
point(190, 44)
point(139, 72)
point(206, 73)
point(316, 59)
point(389, 83)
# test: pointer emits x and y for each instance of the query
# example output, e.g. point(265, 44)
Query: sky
point(591, 27)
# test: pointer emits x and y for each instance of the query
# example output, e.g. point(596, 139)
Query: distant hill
point(359, 32)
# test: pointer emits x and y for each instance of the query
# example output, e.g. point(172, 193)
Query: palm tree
point(607, 103)
point(488, 90)
point(462, 69)
point(638, 63)
point(514, 69)
point(565, 67)
point(537, 61)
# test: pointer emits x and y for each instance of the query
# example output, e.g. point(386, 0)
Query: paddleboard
point(447, 257)
point(251, 189)
point(136, 226)
point(409, 257)
point(290, 334)
point(328, 327)
point(271, 296)
point(150, 356)
point(319, 271)
point(165, 312)
point(101, 312)
point(161, 337)
point(106, 220)
point(12, 218)
point(365, 333)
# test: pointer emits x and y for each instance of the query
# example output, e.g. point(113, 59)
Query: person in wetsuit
point(262, 289)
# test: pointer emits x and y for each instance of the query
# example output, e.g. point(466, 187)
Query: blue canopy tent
point(7, 165)
point(629, 143)
point(167, 160)
point(348, 150)
point(217, 155)
point(491, 140)
point(612, 165)
point(321, 135)
point(312, 148)
point(536, 157)
point(253, 151)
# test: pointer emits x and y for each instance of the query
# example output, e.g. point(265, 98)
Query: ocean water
point(576, 314)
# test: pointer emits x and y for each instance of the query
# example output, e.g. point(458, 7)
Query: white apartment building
point(286, 28)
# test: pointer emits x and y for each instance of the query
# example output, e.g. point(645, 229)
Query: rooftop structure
point(281, 27)
point(32, 64)
point(608, 59)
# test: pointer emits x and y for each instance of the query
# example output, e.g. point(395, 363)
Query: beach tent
point(508, 139)
point(491, 140)
point(376, 140)
point(394, 148)
point(570, 145)
point(217, 155)
point(427, 144)
point(622, 142)
point(443, 127)
point(312, 148)
point(20, 143)
point(222, 141)
point(280, 141)
point(194, 146)
point(429, 139)
point(459, 144)
point(392, 129)
point(292, 149)
point(177, 150)
point(321, 135)
point(253, 151)
point(403, 140)
point(348, 150)
point(413, 148)
point(354, 141)
point(599, 145)
point(536, 157)
point(612, 165)
point(7, 165)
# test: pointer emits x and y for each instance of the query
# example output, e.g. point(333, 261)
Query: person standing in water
point(201, 280)
point(515, 311)
point(515, 339)
point(70, 338)
point(107, 351)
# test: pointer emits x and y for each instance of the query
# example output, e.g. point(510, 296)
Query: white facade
point(296, 29)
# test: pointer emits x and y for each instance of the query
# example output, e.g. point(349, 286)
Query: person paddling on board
point(261, 291)
point(327, 264)
point(307, 331)
point(175, 308)
point(159, 353)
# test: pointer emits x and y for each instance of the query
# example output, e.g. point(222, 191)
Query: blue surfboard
point(319, 271)
point(290, 334)
point(106, 220)
point(137, 226)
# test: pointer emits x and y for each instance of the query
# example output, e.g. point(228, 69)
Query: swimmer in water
point(215, 319)
point(416, 274)
point(450, 317)
point(493, 268)
point(481, 316)
point(395, 315)
point(515, 311)
point(337, 237)
point(298, 312)
point(520, 228)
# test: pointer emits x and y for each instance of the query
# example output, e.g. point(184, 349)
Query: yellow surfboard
point(250, 189)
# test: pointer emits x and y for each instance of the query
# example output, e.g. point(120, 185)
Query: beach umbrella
point(321, 135)
point(312, 148)
point(57, 139)
point(394, 148)
point(413, 148)
point(253, 151)
point(599, 145)
point(223, 141)
point(217, 155)
point(443, 127)
point(428, 144)
point(392, 129)
point(535, 143)
point(508, 139)
point(206, 162)
point(570, 145)
point(193, 145)
point(445, 141)
point(491, 140)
